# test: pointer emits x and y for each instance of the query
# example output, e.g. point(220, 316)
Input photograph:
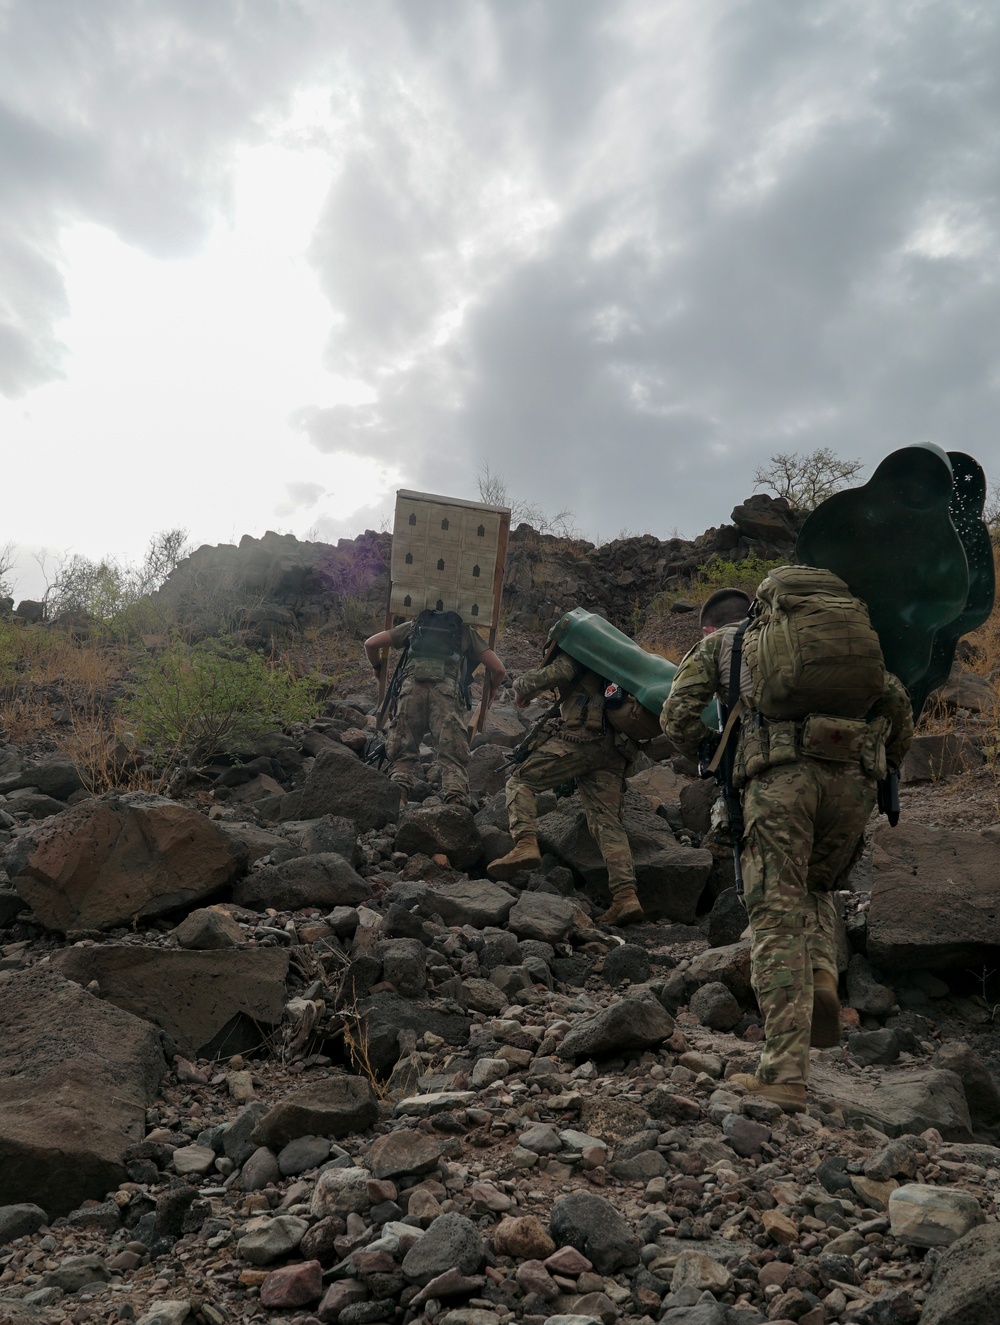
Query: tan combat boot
point(825, 1032)
point(525, 856)
point(624, 909)
point(790, 1095)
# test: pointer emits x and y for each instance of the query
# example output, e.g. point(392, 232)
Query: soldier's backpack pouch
point(428, 669)
point(630, 718)
point(811, 648)
point(840, 740)
point(435, 646)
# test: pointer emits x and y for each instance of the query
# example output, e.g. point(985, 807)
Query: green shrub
point(213, 698)
point(720, 573)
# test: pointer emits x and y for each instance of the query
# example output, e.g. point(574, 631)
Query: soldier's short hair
point(724, 607)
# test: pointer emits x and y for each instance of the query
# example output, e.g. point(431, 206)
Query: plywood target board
point(448, 555)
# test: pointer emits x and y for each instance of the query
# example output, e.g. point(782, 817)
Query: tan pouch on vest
point(782, 743)
point(839, 740)
point(427, 669)
point(873, 757)
point(751, 754)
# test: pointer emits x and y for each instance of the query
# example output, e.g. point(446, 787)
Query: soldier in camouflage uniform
point(578, 744)
point(431, 700)
point(804, 826)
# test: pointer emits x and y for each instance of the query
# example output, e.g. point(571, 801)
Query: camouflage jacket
point(580, 692)
point(704, 674)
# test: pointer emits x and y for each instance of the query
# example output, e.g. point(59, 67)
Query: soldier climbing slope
point(439, 658)
point(812, 744)
point(578, 743)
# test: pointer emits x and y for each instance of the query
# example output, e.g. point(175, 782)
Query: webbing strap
point(734, 701)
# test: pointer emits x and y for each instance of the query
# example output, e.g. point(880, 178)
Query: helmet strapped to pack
point(811, 648)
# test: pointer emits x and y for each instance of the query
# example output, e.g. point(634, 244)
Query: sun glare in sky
point(166, 360)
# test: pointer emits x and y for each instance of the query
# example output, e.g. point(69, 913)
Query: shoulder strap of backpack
point(734, 703)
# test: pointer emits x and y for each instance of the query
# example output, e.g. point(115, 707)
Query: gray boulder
point(595, 1228)
point(943, 754)
point(335, 1106)
point(898, 1103)
point(543, 917)
point(447, 830)
point(404, 965)
point(207, 1002)
point(398, 1154)
point(208, 929)
point(324, 881)
point(76, 1077)
point(487, 769)
point(715, 1007)
point(866, 993)
point(475, 902)
point(339, 783)
point(966, 1281)
point(18, 1221)
point(55, 776)
point(318, 836)
point(120, 859)
point(981, 1092)
point(729, 965)
point(628, 962)
point(452, 1241)
point(384, 1015)
point(916, 920)
point(630, 1023)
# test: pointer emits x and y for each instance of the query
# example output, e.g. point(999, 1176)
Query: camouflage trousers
point(804, 827)
point(432, 707)
point(599, 767)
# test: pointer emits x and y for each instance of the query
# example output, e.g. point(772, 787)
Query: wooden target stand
point(447, 555)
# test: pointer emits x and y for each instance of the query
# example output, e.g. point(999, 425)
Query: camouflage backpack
point(811, 648)
point(435, 646)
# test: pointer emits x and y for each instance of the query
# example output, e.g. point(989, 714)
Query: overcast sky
point(264, 261)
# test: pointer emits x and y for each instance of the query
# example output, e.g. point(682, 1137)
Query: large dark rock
point(399, 1154)
point(729, 965)
point(670, 878)
point(215, 1002)
point(451, 1241)
point(340, 783)
point(940, 755)
point(118, 860)
point(966, 1281)
point(630, 1023)
point(76, 1076)
point(324, 881)
point(769, 519)
point(981, 1092)
point(898, 1103)
point(253, 842)
point(543, 916)
point(55, 776)
point(383, 1016)
point(441, 829)
point(475, 902)
point(488, 769)
point(335, 1106)
point(933, 901)
point(331, 833)
point(595, 1228)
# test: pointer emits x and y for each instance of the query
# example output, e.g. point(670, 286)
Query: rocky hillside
point(278, 586)
point(276, 1051)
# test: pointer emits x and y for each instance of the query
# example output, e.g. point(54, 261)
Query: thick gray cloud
point(622, 249)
